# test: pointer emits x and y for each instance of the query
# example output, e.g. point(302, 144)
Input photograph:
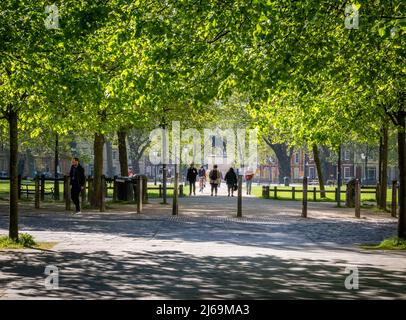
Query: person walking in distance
point(249, 175)
point(215, 179)
point(77, 181)
point(202, 178)
point(191, 177)
point(231, 180)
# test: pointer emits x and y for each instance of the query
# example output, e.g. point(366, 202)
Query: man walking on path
point(191, 177)
point(215, 179)
point(77, 181)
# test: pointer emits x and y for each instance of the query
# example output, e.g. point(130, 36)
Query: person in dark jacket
point(191, 177)
point(231, 180)
point(77, 182)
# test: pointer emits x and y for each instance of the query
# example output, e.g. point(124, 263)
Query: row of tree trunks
point(109, 156)
point(12, 118)
point(56, 163)
point(339, 178)
point(122, 152)
point(283, 154)
point(98, 146)
point(138, 142)
point(383, 167)
point(320, 176)
point(402, 173)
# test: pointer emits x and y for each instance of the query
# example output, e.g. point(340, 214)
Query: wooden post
point(378, 193)
point(181, 191)
point(103, 193)
point(89, 188)
point(19, 186)
point(144, 189)
point(175, 208)
point(83, 194)
point(265, 192)
point(56, 188)
point(37, 192)
point(164, 182)
point(336, 194)
point(314, 194)
point(275, 192)
point(160, 190)
point(357, 198)
point(42, 187)
point(114, 188)
point(293, 193)
point(106, 189)
point(138, 192)
point(304, 203)
point(66, 191)
point(394, 198)
point(239, 200)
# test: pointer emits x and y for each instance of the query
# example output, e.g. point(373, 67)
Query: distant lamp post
point(186, 153)
point(306, 166)
point(365, 158)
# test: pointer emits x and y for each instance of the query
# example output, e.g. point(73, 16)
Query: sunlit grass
point(387, 244)
point(25, 241)
point(285, 193)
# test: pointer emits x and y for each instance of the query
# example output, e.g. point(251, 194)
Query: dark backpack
point(213, 175)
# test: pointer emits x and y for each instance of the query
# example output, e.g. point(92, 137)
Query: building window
point(371, 173)
point(296, 173)
point(347, 172)
point(347, 155)
point(297, 157)
point(114, 155)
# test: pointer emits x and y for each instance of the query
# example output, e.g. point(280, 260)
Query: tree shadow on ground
point(170, 274)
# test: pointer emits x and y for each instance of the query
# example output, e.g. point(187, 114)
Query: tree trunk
point(98, 169)
point(402, 174)
point(109, 155)
point(339, 177)
point(56, 163)
point(13, 131)
point(380, 160)
point(284, 157)
point(319, 171)
point(30, 164)
point(122, 152)
point(324, 154)
point(136, 165)
point(383, 182)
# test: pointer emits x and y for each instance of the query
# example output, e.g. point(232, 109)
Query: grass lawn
point(330, 197)
point(5, 186)
point(25, 241)
point(387, 244)
point(5, 189)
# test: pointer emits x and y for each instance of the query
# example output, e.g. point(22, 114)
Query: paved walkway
point(205, 252)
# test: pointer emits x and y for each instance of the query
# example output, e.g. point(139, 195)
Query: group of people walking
point(215, 177)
